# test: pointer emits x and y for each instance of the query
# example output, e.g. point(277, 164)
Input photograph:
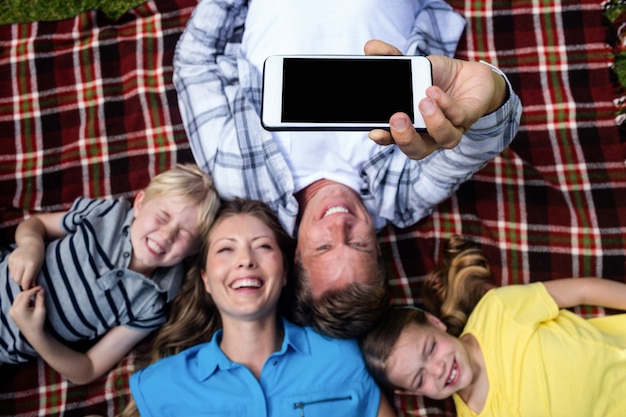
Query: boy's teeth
point(152, 245)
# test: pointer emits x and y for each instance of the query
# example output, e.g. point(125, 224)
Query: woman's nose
point(246, 259)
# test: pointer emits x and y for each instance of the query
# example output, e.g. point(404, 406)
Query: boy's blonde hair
point(190, 182)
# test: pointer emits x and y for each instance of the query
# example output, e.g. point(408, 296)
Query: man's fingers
point(376, 47)
point(440, 121)
point(412, 143)
point(381, 137)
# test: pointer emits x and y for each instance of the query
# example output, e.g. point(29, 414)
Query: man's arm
point(206, 74)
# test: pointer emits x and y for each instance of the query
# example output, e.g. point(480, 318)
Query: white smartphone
point(337, 92)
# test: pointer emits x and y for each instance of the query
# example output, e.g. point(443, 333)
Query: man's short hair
point(346, 312)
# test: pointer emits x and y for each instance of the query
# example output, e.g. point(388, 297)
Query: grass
point(22, 11)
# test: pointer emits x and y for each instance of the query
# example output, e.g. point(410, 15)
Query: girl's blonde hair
point(193, 317)
point(190, 182)
point(450, 293)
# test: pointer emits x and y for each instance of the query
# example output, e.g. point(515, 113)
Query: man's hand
point(462, 93)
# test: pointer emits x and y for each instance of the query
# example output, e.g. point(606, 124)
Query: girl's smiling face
point(428, 361)
point(244, 270)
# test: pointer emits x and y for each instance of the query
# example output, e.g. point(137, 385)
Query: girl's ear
point(436, 322)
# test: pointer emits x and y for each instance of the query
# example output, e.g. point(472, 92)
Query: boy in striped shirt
point(101, 271)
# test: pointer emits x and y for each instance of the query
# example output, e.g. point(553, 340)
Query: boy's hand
point(29, 312)
point(25, 262)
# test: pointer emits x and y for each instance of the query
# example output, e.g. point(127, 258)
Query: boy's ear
point(436, 322)
point(138, 202)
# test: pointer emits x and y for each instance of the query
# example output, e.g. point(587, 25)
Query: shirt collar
point(211, 358)
point(165, 280)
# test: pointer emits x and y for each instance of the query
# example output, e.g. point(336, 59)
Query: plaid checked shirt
point(219, 94)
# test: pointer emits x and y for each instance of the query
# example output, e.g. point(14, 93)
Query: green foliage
point(615, 13)
point(22, 11)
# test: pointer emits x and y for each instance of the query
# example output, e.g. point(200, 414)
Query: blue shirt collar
point(211, 358)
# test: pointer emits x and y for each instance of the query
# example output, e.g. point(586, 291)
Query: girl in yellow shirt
point(513, 351)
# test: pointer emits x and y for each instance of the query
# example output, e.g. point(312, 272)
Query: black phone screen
point(345, 90)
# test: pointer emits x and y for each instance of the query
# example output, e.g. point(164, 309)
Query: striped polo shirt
point(87, 285)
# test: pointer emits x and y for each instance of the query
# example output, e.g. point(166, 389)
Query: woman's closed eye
point(224, 249)
point(265, 246)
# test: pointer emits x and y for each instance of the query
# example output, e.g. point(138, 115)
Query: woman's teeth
point(247, 283)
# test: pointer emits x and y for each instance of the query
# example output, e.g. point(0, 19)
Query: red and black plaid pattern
point(87, 108)
point(554, 204)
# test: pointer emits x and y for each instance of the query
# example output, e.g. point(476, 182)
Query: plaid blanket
point(87, 108)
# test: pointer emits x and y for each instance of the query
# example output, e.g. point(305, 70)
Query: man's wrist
point(502, 89)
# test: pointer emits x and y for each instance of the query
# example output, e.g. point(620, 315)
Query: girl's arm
point(78, 367)
point(385, 409)
point(25, 260)
point(571, 292)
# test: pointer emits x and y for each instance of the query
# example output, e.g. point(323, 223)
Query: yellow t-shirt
point(542, 361)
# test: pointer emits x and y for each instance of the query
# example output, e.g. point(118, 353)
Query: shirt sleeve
point(206, 74)
point(219, 96)
point(137, 393)
point(436, 31)
point(528, 304)
point(425, 183)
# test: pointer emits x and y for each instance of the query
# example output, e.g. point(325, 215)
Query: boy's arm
point(30, 237)
point(385, 409)
point(571, 292)
point(78, 367)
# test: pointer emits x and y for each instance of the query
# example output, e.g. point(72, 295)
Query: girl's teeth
point(452, 375)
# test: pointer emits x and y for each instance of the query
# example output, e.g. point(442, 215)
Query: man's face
point(337, 242)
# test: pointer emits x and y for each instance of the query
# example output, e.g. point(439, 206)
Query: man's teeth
point(452, 376)
point(334, 210)
point(153, 245)
point(247, 283)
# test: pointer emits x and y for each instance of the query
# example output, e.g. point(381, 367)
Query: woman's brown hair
point(193, 317)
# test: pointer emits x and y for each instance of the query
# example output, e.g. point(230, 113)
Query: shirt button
point(120, 273)
point(274, 362)
point(126, 254)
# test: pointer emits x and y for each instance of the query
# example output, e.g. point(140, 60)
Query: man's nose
point(339, 227)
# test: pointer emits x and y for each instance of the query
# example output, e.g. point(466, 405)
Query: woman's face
point(244, 271)
point(428, 361)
